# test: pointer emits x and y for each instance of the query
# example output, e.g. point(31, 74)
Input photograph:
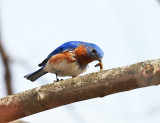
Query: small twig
point(6, 63)
point(80, 88)
point(5, 60)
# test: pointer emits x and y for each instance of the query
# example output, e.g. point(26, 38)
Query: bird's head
point(94, 52)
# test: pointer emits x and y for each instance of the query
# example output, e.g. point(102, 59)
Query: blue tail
point(35, 75)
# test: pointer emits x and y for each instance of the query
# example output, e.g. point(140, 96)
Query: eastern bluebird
point(69, 59)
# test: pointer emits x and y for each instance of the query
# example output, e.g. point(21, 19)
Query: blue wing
point(71, 45)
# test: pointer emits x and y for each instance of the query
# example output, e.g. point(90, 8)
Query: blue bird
point(69, 59)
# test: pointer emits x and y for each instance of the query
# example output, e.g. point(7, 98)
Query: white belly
point(64, 69)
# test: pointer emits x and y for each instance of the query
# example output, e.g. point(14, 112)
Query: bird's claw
point(58, 80)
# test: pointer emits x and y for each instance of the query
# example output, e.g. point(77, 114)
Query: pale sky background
point(127, 30)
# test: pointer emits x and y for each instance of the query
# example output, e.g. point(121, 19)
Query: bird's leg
point(57, 78)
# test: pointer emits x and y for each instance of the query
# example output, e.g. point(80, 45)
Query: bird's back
point(70, 45)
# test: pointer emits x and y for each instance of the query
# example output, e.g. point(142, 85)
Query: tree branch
point(80, 88)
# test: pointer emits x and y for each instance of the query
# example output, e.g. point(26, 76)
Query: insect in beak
point(99, 64)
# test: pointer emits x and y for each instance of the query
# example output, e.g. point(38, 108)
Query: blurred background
point(127, 30)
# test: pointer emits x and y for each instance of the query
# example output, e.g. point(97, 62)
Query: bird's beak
point(99, 59)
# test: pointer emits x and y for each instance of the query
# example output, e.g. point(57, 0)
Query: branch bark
point(80, 88)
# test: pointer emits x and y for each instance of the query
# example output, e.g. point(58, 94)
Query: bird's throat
point(81, 55)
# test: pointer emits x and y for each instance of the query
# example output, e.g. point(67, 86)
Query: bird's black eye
point(94, 51)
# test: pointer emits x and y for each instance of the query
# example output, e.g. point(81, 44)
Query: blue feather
point(70, 45)
point(35, 75)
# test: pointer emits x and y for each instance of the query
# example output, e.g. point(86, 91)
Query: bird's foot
point(57, 80)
